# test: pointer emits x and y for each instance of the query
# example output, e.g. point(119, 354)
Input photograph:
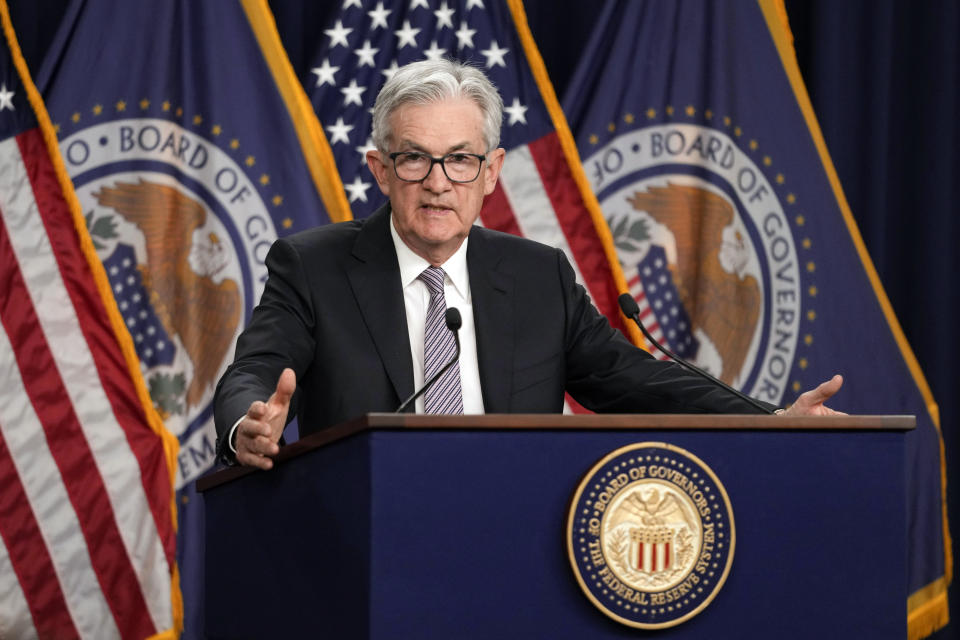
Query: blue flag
point(192, 147)
point(699, 140)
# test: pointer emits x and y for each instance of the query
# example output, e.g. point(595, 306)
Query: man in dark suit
point(348, 321)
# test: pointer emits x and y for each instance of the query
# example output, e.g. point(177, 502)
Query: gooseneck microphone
point(453, 320)
point(630, 309)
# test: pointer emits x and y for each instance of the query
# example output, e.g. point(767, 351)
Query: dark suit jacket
point(333, 311)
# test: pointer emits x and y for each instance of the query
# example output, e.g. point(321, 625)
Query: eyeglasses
point(411, 166)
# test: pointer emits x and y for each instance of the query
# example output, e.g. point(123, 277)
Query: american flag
point(539, 195)
point(87, 517)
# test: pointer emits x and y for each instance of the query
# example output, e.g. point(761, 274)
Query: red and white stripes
point(85, 494)
point(538, 198)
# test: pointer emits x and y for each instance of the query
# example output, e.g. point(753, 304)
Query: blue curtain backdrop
point(884, 78)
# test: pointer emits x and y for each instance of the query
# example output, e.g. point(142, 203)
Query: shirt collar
point(412, 265)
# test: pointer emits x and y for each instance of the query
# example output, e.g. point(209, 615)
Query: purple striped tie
point(438, 349)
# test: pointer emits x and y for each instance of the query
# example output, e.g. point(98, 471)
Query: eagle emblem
point(654, 509)
point(182, 277)
point(705, 269)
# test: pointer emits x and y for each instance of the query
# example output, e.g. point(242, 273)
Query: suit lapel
point(375, 280)
point(493, 314)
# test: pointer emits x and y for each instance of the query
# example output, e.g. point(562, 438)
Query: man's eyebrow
point(410, 145)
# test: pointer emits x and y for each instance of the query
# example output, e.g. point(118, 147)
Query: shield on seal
point(652, 548)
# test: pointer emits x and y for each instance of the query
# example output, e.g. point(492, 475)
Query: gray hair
point(429, 81)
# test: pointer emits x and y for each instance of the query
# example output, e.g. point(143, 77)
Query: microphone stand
point(630, 309)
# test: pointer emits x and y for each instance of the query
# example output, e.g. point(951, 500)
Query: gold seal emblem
point(650, 535)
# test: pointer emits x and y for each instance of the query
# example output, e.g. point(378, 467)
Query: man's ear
point(491, 171)
point(379, 170)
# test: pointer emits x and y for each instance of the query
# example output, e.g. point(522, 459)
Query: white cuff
point(230, 435)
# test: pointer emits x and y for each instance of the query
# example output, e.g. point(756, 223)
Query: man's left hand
point(811, 402)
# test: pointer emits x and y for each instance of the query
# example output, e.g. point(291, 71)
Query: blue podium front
point(440, 527)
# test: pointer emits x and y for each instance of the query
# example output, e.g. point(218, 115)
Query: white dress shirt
point(416, 300)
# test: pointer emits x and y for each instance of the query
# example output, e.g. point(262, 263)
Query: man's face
point(434, 216)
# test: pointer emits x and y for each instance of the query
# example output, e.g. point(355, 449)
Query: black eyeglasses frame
point(441, 161)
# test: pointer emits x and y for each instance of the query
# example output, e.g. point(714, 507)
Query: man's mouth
point(435, 209)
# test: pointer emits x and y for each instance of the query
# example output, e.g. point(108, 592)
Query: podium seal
point(650, 535)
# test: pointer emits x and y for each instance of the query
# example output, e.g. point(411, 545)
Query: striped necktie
point(438, 349)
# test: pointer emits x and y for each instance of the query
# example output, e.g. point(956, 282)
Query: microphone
point(454, 321)
point(630, 309)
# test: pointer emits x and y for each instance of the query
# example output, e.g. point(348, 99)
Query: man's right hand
point(260, 430)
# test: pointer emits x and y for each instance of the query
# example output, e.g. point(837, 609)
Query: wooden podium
point(406, 526)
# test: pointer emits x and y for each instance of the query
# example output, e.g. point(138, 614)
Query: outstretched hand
point(260, 430)
point(811, 403)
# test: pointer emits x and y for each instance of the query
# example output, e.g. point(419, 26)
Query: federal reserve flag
point(87, 516)
point(542, 193)
point(698, 138)
point(192, 147)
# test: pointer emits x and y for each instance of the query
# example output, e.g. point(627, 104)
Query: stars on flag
point(338, 35)
point(352, 94)
point(444, 16)
point(389, 71)
point(495, 55)
point(516, 112)
point(325, 73)
point(378, 17)
point(362, 149)
point(339, 131)
point(6, 97)
point(465, 36)
point(407, 36)
point(434, 52)
point(357, 190)
point(365, 54)
point(370, 40)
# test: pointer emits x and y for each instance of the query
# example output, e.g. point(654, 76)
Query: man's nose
point(436, 180)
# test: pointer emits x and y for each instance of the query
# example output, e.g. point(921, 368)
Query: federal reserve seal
point(183, 232)
point(713, 246)
point(650, 535)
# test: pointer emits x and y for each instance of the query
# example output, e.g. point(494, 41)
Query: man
point(350, 318)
